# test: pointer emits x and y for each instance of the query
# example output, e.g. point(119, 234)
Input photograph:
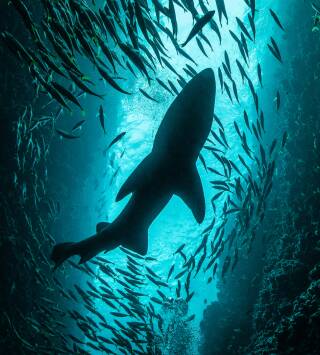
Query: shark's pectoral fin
point(101, 226)
point(138, 176)
point(190, 190)
point(138, 242)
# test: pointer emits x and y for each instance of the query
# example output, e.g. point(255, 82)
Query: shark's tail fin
point(103, 240)
point(86, 249)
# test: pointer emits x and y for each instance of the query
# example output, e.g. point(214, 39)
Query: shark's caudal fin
point(137, 241)
point(86, 249)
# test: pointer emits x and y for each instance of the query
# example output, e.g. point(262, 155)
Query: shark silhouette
point(170, 169)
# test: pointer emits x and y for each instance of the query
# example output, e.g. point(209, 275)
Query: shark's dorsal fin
point(100, 226)
point(190, 190)
point(137, 177)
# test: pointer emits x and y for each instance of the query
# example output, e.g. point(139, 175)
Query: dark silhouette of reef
point(277, 311)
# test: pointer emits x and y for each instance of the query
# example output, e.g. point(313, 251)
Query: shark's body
point(170, 169)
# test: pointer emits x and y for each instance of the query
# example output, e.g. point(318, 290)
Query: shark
point(170, 169)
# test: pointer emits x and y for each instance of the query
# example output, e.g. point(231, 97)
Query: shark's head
point(187, 123)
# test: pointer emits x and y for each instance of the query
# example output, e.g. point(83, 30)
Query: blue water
point(91, 199)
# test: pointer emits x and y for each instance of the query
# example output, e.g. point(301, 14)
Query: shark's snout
point(205, 82)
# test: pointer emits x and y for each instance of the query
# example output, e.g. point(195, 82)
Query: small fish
point(272, 147)
point(284, 139)
point(180, 248)
point(203, 162)
point(164, 85)
point(243, 28)
point(278, 101)
point(259, 74)
point(226, 87)
point(252, 25)
point(220, 78)
point(101, 118)
point(174, 89)
point(189, 297)
point(151, 272)
point(246, 119)
point(201, 47)
point(221, 10)
point(110, 81)
point(118, 314)
point(276, 19)
point(178, 289)
point(274, 49)
point(242, 71)
point(178, 276)
point(147, 95)
point(82, 86)
point(156, 300)
point(235, 91)
point(170, 272)
point(66, 134)
point(117, 139)
point(227, 61)
point(199, 25)
point(78, 125)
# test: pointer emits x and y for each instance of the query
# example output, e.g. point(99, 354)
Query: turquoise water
point(140, 117)
point(85, 177)
point(246, 280)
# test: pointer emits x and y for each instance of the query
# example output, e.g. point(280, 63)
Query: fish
point(227, 61)
point(174, 89)
point(82, 86)
point(135, 57)
point(199, 26)
point(66, 93)
point(181, 247)
point(178, 289)
point(102, 119)
point(201, 47)
point(252, 25)
point(246, 119)
point(117, 139)
point(274, 49)
point(243, 28)
point(65, 134)
point(221, 10)
point(147, 95)
point(110, 81)
point(169, 169)
point(170, 272)
point(235, 91)
point(164, 85)
point(284, 139)
point(203, 162)
point(241, 70)
point(183, 272)
point(220, 78)
point(189, 297)
point(278, 100)
point(240, 46)
point(259, 71)
point(272, 147)
point(226, 87)
point(276, 19)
